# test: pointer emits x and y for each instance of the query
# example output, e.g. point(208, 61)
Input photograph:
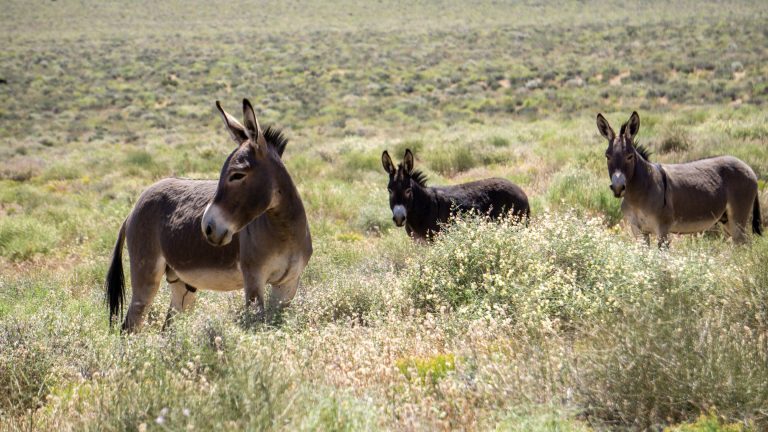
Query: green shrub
point(453, 159)
point(140, 158)
point(22, 237)
point(344, 297)
point(562, 267)
point(498, 141)
point(696, 344)
point(588, 193)
point(650, 366)
point(426, 369)
point(361, 161)
point(674, 138)
point(708, 423)
point(416, 146)
point(25, 369)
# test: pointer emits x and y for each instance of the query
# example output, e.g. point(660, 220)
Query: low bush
point(23, 237)
point(674, 138)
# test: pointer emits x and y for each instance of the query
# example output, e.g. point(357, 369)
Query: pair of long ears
point(250, 131)
point(389, 167)
point(628, 129)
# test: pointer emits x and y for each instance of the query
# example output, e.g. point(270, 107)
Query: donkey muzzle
point(216, 229)
point(398, 215)
point(618, 184)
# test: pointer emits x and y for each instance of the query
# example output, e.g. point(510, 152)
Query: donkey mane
point(419, 177)
point(275, 138)
point(643, 151)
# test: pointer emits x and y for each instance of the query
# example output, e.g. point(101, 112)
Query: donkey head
point(621, 152)
point(246, 183)
point(399, 187)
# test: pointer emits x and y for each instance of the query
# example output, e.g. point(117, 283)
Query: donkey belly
point(692, 226)
point(212, 278)
point(201, 265)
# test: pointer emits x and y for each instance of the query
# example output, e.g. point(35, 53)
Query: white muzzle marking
point(618, 183)
point(216, 227)
point(399, 214)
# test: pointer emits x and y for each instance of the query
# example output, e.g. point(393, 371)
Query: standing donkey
point(246, 230)
point(424, 209)
point(678, 198)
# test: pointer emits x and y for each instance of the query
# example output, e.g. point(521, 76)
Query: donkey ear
point(605, 129)
point(252, 128)
point(235, 129)
point(386, 162)
point(408, 161)
point(633, 125)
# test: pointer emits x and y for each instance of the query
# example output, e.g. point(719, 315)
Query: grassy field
point(569, 324)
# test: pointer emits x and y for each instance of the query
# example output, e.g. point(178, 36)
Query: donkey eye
point(408, 191)
point(236, 177)
point(630, 156)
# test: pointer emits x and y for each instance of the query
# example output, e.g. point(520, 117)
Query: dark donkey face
point(621, 154)
point(246, 184)
point(399, 187)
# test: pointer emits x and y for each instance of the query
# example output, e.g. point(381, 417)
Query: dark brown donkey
point(424, 209)
point(246, 230)
point(678, 198)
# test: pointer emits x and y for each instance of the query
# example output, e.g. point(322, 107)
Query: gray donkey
point(678, 198)
point(246, 230)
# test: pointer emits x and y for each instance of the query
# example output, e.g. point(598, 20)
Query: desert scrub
point(710, 423)
point(674, 138)
point(681, 351)
point(452, 159)
point(427, 369)
point(561, 267)
point(25, 369)
point(349, 296)
point(22, 237)
point(588, 193)
point(661, 364)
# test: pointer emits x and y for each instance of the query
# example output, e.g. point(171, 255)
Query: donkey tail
point(115, 283)
point(756, 219)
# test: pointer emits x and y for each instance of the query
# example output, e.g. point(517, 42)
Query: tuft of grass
point(453, 159)
point(25, 369)
point(140, 158)
point(709, 423)
point(680, 352)
point(416, 146)
point(498, 141)
point(426, 369)
point(588, 193)
point(23, 237)
point(674, 138)
point(21, 168)
point(63, 171)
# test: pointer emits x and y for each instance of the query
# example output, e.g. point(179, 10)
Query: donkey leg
point(738, 218)
point(182, 296)
point(145, 280)
point(282, 294)
point(637, 232)
point(254, 294)
point(280, 298)
point(662, 235)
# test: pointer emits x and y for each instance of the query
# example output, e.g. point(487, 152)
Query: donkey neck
point(420, 214)
point(287, 210)
point(646, 184)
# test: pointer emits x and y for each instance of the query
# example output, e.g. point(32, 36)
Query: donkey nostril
point(208, 230)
